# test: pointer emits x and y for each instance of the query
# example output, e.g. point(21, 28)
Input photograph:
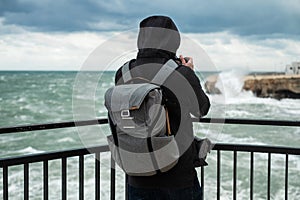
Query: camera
point(179, 61)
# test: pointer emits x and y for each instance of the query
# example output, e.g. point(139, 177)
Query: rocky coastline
point(264, 85)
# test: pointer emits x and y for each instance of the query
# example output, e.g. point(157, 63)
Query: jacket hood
point(158, 33)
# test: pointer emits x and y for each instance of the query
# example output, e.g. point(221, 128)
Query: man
point(158, 41)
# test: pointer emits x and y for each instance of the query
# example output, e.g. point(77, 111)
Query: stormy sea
point(36, 97)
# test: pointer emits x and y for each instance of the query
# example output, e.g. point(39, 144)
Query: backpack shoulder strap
point(126, 72)
point(164, 72)
point(159, 78)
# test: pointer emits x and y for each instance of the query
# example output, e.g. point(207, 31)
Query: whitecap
point(105, 85)
point(237, 113)
point(22, 99)
point(23, 118)
point(30, 150)
point(66, 139)
point(2, 78)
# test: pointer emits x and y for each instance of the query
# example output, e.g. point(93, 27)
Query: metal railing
point(270, 150)
point(24, 160)
point(62, 155)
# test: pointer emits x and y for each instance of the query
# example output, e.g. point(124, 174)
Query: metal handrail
point(37, 127)
point(39, 157)
point(24, 160)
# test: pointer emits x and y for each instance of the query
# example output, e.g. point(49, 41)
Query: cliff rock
point(274, 86)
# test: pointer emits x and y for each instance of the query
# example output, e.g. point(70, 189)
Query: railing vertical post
point(5, 183)
point(26, 181)
point(81, 177)
point(112, 179)
point(269, 176)
point(286, 175)
point(234, 174)
point(126, 187)
point(218, 174)
point(202, 181)
point(64, 178)
point(45, 172)
point(251, 175)
point(97, 176)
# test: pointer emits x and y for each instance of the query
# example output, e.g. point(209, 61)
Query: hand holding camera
point(187, 61)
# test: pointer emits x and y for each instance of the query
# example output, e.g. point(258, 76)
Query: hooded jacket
point(158, 41)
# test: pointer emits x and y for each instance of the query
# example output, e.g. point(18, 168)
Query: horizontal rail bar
point(30, 158)
point(48, 126)
point(262, 122)
point(104, 148)
point(257, 148)
point(39, 127)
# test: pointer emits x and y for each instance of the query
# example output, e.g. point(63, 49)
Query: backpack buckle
point(127, 123)
point(125, 113)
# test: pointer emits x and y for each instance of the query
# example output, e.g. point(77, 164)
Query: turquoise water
point(45, 97)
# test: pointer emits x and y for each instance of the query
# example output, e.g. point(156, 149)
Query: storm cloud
point(246, 18)
point(59, 35)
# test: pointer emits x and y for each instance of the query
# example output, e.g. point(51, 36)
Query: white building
point(294, 68)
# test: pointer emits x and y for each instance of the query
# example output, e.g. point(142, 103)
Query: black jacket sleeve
point(203, 102)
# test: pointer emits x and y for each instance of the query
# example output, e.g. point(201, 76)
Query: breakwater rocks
point(275, 86)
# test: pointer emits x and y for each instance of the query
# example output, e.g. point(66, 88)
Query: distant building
point(294, 68)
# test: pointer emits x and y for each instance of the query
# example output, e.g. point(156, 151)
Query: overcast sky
point(60, 35)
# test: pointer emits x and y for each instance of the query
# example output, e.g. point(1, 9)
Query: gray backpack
point(142, 144)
